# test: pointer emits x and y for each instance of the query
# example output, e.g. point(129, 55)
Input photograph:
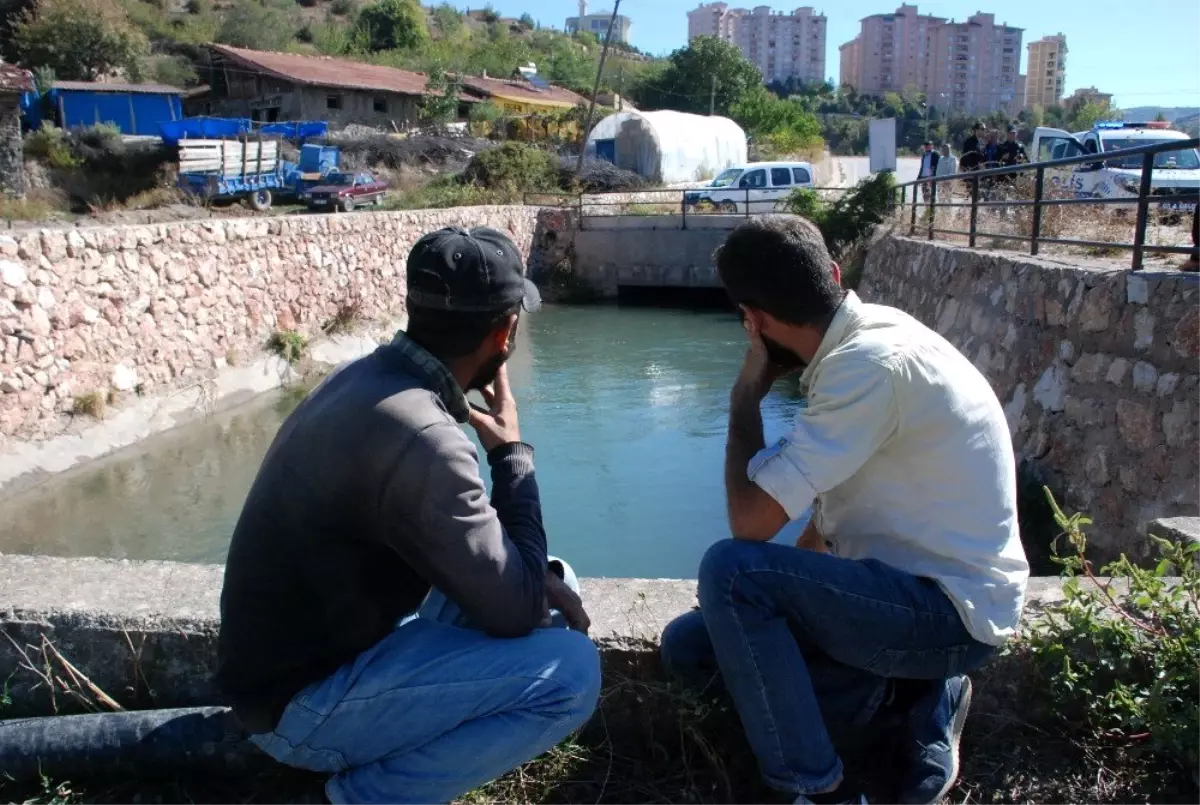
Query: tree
point(10, 15)
point(175, 71)
point(80, 40)
point(779, 127)
point(256, 25)
point(1087, 115)
point(394, 24)
point(447, 19)
point(688, 81)
point(440, 104)
point(527, 21)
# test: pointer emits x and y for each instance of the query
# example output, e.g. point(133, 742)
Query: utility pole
point(712, 98)
point(621, 89)
point(587, 124)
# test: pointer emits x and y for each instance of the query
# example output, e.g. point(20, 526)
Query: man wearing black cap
point(380, 614)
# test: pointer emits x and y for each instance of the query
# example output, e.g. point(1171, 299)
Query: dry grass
point(91, 404)
point(348, 318)
point(1108, 223)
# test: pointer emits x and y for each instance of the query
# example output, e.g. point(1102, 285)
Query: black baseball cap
point(469, 271)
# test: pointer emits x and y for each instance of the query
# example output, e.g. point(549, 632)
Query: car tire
point(348, 205)
point(728, 207)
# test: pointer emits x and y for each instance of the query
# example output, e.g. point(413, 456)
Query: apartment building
point(970, 67)
point(891, 52)
point(974, 66)
point(1086, 95)
point(781, 45)
point(1045, 71)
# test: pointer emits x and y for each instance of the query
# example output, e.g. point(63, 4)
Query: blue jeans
point(801, 639)
point(437, 708)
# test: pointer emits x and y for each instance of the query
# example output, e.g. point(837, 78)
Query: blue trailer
point(250, 169)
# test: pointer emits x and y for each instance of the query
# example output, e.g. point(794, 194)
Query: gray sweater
point(369, 495)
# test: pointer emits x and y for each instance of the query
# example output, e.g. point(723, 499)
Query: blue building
point(132, 108)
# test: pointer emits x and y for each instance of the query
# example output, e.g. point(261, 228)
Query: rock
point(1167, 384)
point(1143, 330)
point(1051, 389)
point(1095, 315)
point(1187, 334)
point(1179, 424)
point(176, 271)
point(1145, 376)
point(13, 274)
point(1097, 467)
point(124, 378)
point(45, 299)
point(11, 384)
point(1116, 372)
point(1135, 423)
point(1137, 290)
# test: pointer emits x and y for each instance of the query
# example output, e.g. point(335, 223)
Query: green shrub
point(50, 145)
point(288, 345)
point(513, 167)
point(1125, 663)
point(849, 219)
point(343, 8)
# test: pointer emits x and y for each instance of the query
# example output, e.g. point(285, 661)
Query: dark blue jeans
point(801, 639)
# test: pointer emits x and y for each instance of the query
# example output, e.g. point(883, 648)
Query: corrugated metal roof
point(14, 79)
point(522, 91)
point(98, 86)
point(326, 71)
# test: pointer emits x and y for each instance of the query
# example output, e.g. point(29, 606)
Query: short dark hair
point(779, 264)
point(449, 334)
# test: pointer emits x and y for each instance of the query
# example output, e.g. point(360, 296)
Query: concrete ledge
point(145, 632)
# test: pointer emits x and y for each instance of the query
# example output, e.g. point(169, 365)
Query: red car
point(345, 191)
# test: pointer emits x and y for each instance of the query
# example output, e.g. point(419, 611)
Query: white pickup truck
point(1175, 172)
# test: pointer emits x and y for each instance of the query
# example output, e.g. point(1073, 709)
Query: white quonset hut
point(668, 147)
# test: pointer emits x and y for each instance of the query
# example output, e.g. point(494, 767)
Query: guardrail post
point(1143, 210)
point(974, 211)
point(1036, 231)
point(683, 207)
point(747, 202)
point(912, 226)
point(932, 208)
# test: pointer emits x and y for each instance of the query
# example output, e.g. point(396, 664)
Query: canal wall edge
point(1096, 368)
point(145, 632)
point(151, 324)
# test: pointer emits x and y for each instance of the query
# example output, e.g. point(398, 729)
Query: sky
point(1145, 54)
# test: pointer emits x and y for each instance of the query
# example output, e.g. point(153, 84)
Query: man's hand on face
point(561, 597)
point(758, 371)
point(498, 424)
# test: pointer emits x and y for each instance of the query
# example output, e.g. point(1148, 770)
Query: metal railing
point(734, 202)
point(974, 178)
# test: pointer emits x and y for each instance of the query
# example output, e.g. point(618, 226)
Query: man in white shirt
point(911, 572)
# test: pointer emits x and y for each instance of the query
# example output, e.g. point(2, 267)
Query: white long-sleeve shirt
point(905, 454)
point(947, 166)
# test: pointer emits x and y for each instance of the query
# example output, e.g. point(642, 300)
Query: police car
point(1175, 172)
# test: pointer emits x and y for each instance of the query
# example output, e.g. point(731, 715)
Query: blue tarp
point(203, 128)
point(216, 128)
point(297, 129)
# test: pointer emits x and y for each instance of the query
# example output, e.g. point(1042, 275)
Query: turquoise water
point(626, 408)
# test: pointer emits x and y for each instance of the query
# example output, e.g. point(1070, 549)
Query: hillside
point(159, 39)
point(1171, 113)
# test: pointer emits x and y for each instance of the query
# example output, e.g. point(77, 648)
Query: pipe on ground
point(143, 742)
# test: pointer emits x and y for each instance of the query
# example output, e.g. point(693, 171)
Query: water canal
point(626, 407)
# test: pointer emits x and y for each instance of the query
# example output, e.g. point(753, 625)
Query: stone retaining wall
point(142, 309)
point(145, 632)
point(1097, 369)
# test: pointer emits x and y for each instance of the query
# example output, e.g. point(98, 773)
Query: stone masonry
point(13, 81)
point(1096, 368)
point(140, 309)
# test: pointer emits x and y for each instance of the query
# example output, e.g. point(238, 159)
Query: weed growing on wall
point(1121, 657)
point(288, 345)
